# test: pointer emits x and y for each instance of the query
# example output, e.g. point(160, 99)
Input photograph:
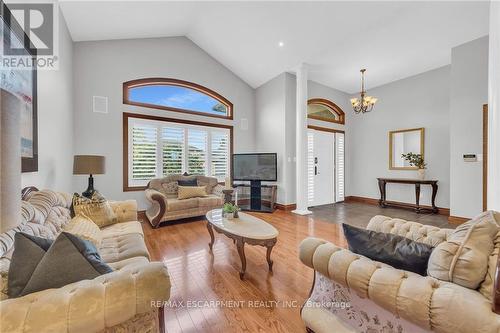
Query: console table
point(417, 182)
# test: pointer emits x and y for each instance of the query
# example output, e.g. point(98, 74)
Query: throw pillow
point(186, 192)
point(96, 208)
point(83, 227)
point(69, 259)
point(397, 251)
point(463, 258)
point(187, 182)
point(28, 251)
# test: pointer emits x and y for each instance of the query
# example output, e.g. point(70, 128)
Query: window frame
point(329, 104)
point(178, 83)
point(126, 149)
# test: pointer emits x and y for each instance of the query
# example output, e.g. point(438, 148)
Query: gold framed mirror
point(403, 142)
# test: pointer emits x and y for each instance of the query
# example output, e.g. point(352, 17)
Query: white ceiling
point(392, 40)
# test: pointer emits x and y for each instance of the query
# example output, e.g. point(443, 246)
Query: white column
point(301, 142)
point(10, 162)
point(494, 109)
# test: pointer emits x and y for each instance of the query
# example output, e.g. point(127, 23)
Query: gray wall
point(469, 91)
point(275, 125)
point(102, 67)
point(417, 101)
point(55, 121)
point(270, 126)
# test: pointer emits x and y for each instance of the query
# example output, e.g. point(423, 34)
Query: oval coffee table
point(245, 229)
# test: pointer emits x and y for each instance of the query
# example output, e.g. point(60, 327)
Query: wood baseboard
point(372, 201)
point(457, 219)
point(141, 215)
point(286, 207)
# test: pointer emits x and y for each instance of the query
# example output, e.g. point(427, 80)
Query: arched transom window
point(176, 95)
point(323, 109)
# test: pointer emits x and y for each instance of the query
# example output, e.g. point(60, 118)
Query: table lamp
point(88, 165)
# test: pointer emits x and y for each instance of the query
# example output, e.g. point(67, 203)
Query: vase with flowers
point(230, 210)
point(416, 160)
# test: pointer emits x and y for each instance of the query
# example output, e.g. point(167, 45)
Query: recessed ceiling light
point(281, 44)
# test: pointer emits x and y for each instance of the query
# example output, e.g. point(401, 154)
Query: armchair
point(352, 293)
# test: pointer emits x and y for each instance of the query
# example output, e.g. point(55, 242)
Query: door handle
point(315, 170)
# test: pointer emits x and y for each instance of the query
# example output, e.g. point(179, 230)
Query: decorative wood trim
point(422, 147)
point(375, 202)
point(485, 157)
point(180, 83)
point(457, 219)
point(126, 116)
point(325, 129)
point(330, 105)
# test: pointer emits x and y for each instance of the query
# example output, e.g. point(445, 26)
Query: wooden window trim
point(179, 83)
point(126, 116)
point(330, 105)
point(325, 129)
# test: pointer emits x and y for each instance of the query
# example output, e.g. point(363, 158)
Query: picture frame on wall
point(22, 83)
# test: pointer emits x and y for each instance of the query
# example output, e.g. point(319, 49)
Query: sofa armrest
point(424, 301)
point(158, 206)
point(89, 305)
point(217, 190)
point(125, 211)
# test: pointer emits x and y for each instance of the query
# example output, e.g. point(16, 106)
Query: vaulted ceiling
point(392, 40)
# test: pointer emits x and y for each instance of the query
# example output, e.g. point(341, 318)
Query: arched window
point(323, 109)
point(176, 95)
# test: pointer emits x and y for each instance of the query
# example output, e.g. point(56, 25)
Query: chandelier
point(365, 103)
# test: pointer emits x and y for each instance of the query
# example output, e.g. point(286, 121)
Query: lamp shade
point(88, 165)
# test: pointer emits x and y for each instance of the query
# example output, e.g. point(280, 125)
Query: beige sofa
point(165, 206)
point(125, 300)
point(352, 293)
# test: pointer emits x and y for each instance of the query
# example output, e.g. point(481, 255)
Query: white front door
point(321, 168)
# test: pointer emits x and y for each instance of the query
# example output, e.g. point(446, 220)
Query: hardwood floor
point(263, 301)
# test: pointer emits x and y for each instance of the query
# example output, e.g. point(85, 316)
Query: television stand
point(256, 202)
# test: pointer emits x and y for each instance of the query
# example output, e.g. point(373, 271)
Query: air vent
point(100, 104)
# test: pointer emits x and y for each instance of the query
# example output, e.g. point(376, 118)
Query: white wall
point(101, 67)
point(417, 101)
point(55, 121)
point(469, 91)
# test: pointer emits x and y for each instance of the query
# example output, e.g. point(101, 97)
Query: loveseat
point(125, 300)
point(352, 293)
point(162, 193)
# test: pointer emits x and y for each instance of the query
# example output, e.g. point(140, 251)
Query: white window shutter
point(197, 152)
point(173, 150)
point(144, 146)
point(219, 166)
point(340, 154)
point(310, 168)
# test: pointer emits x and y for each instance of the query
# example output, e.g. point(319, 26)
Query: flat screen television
point(255, 166)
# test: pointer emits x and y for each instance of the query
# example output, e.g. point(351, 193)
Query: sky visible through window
point(177, 97)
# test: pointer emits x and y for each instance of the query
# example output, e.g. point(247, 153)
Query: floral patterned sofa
point(352, 293)
point(124, 300)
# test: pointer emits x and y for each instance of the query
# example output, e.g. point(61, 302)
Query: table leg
point(381, 186)
point(434, 192)
point(240, 245)
point(417, 198)
point(212, 237)
point(268, 256)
